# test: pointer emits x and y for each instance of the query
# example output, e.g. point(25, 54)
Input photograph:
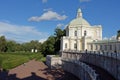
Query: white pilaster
point(78, 44)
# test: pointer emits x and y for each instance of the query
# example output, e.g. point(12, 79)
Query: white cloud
point(105, 38)
point(42, 40)
point(113, 37)
point(48, 9)
point(20, 33)
point(49, 15)
point(85, 1)
point(44, 1)
point(60, 25)
point(110, 38)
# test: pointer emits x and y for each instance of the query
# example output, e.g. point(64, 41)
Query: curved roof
point(79, 21)
point(79, 10)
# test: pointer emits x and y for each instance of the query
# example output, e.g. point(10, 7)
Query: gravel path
point(35, 70)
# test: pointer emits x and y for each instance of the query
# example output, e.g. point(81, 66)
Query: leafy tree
point(3, 47)
point(34, 44)
point(1, 62)
point(48, 46)
point(18, 47)
point(11, 45)
point(52, 44)
point(58, 34)
point(43, 48)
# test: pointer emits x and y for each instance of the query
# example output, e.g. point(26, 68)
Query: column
point(70, 43)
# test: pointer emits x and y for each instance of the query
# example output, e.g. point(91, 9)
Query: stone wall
point(79, 69)
point(53, 61)
point(108, 61)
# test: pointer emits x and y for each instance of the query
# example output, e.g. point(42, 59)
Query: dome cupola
point(79, 20)
point(79, 13)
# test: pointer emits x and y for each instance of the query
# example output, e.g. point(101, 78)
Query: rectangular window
point(75, 33)
point(110, 47)
point(96, 47)
point(65, 45)
point(91, 47)
point(105, 47)
point(75, 46)
point(100, 47)
point(85, 33)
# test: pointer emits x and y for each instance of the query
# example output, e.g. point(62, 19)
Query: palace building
point(80, 36)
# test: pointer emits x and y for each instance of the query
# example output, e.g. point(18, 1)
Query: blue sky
point(25, 20)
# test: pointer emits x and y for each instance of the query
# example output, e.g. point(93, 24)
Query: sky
point(26, 20)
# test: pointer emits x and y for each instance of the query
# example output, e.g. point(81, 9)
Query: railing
point(84, 72)
point(105, 60)
point(107, 54)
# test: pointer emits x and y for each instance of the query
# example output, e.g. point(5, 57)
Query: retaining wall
point(79, 69)
point(53, 62)
point(108, 61)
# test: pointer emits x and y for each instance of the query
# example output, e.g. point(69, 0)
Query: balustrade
point(86, 70)
point(106, 60)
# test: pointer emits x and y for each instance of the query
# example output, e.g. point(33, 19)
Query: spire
point(79, 13)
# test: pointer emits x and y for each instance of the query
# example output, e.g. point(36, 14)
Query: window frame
point(65, 45)
point(75, 46)
point(75, 33)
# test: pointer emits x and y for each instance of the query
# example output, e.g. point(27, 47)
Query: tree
point(11, 45)
point(18, 47)
point(48, 46)
point(33, 44)
point(3, 47)
point(58, 34)
point(1, 63)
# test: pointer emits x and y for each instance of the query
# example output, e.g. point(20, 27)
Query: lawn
point(11, 60)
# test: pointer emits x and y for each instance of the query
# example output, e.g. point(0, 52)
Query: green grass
point(11, 60)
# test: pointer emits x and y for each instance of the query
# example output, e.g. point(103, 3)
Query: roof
point(79, 21)
point(105, 41)
point(79, 10)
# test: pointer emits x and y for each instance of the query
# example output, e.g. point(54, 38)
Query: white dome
point(79, 21)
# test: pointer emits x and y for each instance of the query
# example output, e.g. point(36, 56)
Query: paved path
point(29, 68)
point(35, 70)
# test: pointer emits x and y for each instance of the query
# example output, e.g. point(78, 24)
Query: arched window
point(85, 33)
point(75, 33)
